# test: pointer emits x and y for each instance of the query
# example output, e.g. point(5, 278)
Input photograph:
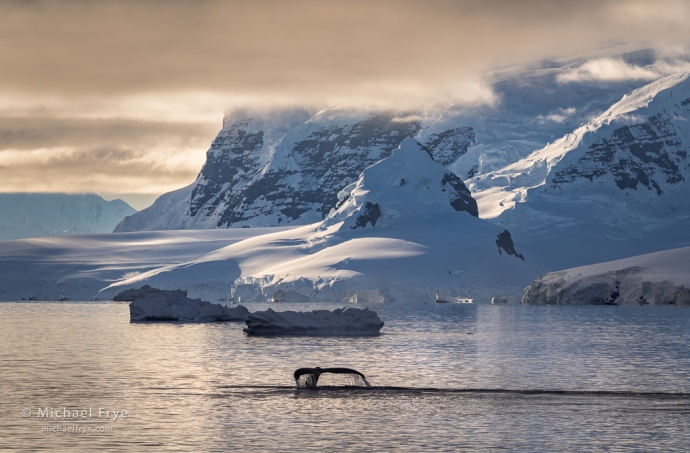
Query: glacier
point(80, 266)
point(660, 278)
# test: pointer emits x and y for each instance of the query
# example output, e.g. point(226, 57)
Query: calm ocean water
point(445, 378)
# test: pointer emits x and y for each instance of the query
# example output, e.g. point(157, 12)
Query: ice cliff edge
point(661, 278)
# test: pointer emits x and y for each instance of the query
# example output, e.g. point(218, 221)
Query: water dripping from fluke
point(332, 377)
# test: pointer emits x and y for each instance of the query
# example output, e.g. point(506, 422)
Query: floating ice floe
point(341, 321)
point(151, 304)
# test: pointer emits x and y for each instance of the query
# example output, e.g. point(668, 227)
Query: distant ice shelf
point(661, 278)
point(341, 321)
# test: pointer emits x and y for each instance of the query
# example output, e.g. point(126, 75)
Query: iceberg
point(151, 304)
point(341, 321)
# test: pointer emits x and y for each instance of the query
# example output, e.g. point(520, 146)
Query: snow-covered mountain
point(286, 165)
point(407, 184)
point(560, 174)
point(49, 214)
point(615, 187)
point(628, 142)
point(79, 266)
point(407, 227)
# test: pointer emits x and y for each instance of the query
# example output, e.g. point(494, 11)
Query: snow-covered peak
point(499, 190)
point(409, 183)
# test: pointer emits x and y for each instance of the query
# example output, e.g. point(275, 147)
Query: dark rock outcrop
point(461, 198)
point(505, 242)
point(445, 147)
point(650, 155)
point(370, 214)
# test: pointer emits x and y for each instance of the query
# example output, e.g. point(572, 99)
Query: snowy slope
point(614, 188)
point(499, 190)
point(409, 184)
point(661, 278)
point(79, 266)
point(166, 213)
point(421, 239)
point(49, 214)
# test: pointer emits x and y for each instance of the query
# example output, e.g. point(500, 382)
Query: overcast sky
point(124, 98)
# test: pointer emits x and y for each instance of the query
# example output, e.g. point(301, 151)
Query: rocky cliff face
point(300, 180)
point(287, 166)
point(649, 154)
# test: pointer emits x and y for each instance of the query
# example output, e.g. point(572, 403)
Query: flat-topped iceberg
point(341, 321)
point(151, 304)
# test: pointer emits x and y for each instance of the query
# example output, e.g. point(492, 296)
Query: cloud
point(305, 49)
point(559, 115)
point(126, 96)
point(44, 153)
point(406, 118)
point(615, 70)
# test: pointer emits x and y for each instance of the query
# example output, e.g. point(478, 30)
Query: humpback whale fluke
point(309, 377)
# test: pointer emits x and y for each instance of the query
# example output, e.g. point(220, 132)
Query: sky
point(124, 98)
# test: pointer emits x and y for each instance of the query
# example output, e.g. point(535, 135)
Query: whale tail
point(309, 377)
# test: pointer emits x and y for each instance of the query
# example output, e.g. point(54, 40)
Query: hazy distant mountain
point(27, 215)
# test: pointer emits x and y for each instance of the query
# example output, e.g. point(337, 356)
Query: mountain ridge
point(48, 214)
